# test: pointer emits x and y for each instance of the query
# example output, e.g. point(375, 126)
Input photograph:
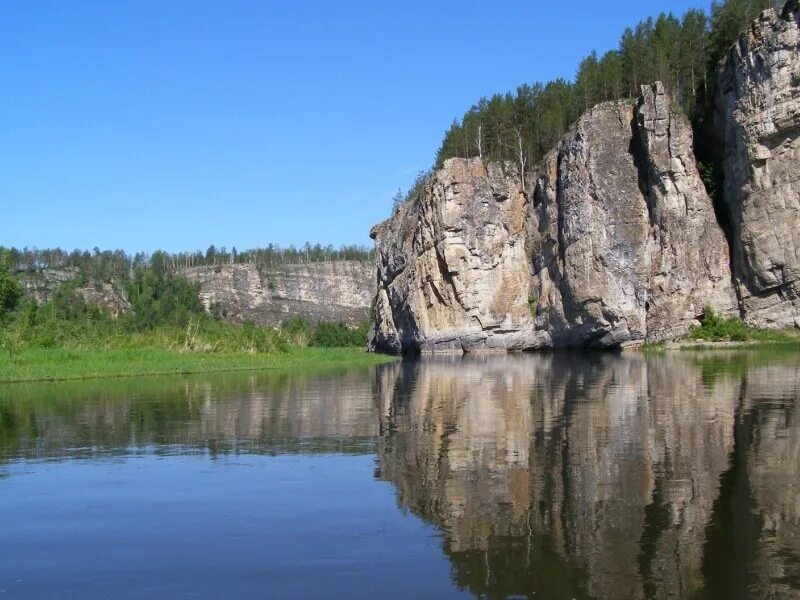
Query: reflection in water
point(265, 412)
point(597, 475)
point(602, 476)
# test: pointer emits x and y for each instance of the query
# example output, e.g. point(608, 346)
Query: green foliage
point(117, 265)
point(159, 297)
point(729, 19)
point(327, 335)
point(682, 53)
point(10, 293)
point(716, 328)
point(400, 198)
point(710, 177)
point(533, 303)
point(339, 335)
point(298, 331)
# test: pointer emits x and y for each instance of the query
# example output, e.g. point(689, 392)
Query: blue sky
point(150, 124)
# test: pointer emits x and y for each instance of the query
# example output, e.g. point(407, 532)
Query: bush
point(10, 293)
point(337, 335)
point(159, 297)
point(298, 332)
point(714, 327)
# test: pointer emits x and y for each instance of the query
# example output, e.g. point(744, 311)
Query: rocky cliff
point(616, 241)
point(318, 291)
point(452, 269)
point(758, 123)
point(43, 284)
point(335, 291)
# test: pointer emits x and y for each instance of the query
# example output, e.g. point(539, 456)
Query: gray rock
point(758, 122)
point(318, 291)
point(452, 268)
point(43, 284)
point(617, 244)
point(625, 244)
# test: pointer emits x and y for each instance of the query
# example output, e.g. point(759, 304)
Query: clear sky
point(176, 124)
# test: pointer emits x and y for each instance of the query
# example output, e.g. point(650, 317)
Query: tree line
point(116, 265)
point(682, 53)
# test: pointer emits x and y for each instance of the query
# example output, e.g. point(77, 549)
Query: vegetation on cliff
point(107, 265)
point(682, 53)
point(716, 328)
point(166, 331)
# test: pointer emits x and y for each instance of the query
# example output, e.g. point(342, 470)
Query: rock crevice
point(616, 244)
point(757, 123)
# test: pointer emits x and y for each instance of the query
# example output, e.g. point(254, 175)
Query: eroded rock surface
point(624, 241)
point(617, 244)
point(758, 122)
point(337, 291)
point(452, 268)
point(42, 286)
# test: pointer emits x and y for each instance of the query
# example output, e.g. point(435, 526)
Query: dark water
point(547, 476)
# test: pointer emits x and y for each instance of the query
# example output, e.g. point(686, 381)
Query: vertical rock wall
point(758, 122)
point(617, 244)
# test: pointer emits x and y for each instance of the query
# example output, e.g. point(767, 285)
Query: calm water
point(547, 476)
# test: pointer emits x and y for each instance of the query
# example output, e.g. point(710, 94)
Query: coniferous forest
point(680, 52)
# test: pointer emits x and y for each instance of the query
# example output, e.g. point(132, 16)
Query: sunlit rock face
point(758, 122)
point(335, 291)
point(452, 269)
point(624, 241)
point(608, 476)
point(615, 243)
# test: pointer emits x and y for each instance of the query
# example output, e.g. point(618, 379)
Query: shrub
point(715, 327)
point(298, 332)
point(10, 293)
point(332, 335)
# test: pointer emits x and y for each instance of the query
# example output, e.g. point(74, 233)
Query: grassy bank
point(716, 328)
point(165, 330)
point(53, 364)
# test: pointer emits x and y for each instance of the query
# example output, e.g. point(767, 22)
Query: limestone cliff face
point(323, 291)
point(452, 271)
point(42, 285)
point(624, 240)
point(758, 122)
point(617, 244)
point(336, 291)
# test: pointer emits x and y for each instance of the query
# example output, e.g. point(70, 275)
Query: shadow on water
point(547, 475)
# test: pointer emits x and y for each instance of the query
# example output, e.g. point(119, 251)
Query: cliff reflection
point(266, 412)
point(602, 476)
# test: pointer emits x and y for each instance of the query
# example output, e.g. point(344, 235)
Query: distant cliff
point(615, 241)
point(333, 291)
point(319, 291)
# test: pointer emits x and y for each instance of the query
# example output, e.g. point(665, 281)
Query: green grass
point(716, 328)
point(53, 364)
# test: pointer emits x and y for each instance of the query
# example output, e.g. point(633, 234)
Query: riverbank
point(58, 364)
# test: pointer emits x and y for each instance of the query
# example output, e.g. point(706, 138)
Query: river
point(665, 475)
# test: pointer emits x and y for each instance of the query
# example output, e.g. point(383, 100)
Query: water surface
point(547, 476)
